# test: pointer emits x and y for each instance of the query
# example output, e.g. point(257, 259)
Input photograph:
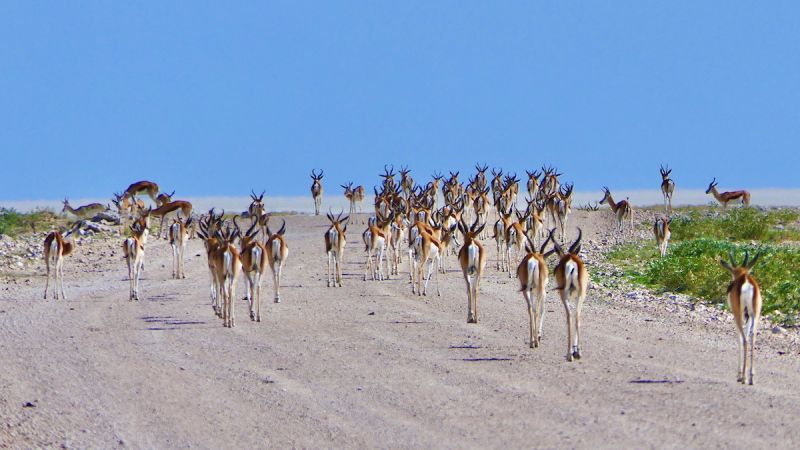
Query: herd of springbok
point(408, 218)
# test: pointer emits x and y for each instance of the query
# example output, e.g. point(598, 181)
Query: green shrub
point(13, 222)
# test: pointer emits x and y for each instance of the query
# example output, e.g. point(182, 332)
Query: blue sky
point(215, 98)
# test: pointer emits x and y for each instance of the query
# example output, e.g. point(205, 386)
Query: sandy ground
point(370, 364)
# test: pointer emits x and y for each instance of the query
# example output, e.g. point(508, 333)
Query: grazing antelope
point(177, 206)
point(178, 235)
point(472, 259)
point(667, 187)
point(427, 249)
point(84, 212)
point(56, 247)
point(662, 233)
point(164, 198)
point(573, 283)
point(142, 187)
point(334, 247)
point(622, 209)
point(133, 252)
point(533, 276)
point(725, 197)
point(744, 301)
point(277, 252)
point(316, 189)
point(253, 257)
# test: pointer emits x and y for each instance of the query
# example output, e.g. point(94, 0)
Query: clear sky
point(215, 98)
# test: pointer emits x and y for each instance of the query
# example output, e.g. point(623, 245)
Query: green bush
point(13, 222)
point(739, 224)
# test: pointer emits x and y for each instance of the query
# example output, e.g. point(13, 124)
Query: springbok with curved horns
point(164, 198)
point(622, 209)
point(56, 247)
point(725, 197)
point(744, 301)
point(277, 252)
point(355, 196)
point(253, 256)
point(573, 284)
point(533, 276)
point(316, 189)
point(334, 247)
point(667, 187)
point(133, 252)
point(472, 258)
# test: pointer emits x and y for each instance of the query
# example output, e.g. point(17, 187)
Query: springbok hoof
point(277, 299)
point(258, 319)
point(576, 354)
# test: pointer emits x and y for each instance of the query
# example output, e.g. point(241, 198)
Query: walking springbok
point(277, 252)
point(56, 248)
point(334, 247)
point(178, 235)
point(622, 209)
point(253, 257)
point(573, 284)
point(227, 265)
point(744, 301)
point(472, 258)
point(133, 252)
point(316, 189)
point(374, 242)
point(427, 249)
point(725, 197)
point(355, 196)
point(667, 187)
point(84, 212)
point(662, 233)
point(533, 276)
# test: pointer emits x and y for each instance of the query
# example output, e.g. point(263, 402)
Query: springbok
point(178, 235)
point(133, 252)
point(227, 265)
point(277, 252)
point(253, 256)
point(667, 187)
point(164, 198)
point(177, 206)
point(142, 187)
point(573, 284)
point(533, 276)
point(56, 248)
point(355, 196)
point(316, 189)
point(744, 301)
point(472, 259)
point(427, 249)
point(84, 212)
point(375, 241)
point(334, 247)
point(725, 197)
point(662, 233)
point(622, 209)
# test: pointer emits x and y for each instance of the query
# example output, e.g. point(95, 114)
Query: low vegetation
point(13, 222)
point(700, 238)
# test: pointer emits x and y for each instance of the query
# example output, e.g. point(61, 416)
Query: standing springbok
point(744, 301)
point(725, 197)
point(662, 233)
point(355, 196)
point(56, 248)
point(427, 249)
point(334, 247)
point(277, 252)
point(227, 266)
point(533, 276)
point(667, 187)
point(316, 189)
point(472, 258)
point(573, 283)
point(133, 252)
point(253, 257)
point(622, 209)
point(178, 235)
point(374, 244)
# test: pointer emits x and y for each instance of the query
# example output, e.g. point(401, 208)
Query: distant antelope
point(56, 248)
point(515, 240)
point(725, 197)
point(334, 247)
point(84, 212)
point(355, 196)
point(662, 233)
point(563, 206)
point(133, 252)
point(533, 183)
point(533, 276)
point(316, 189)
point(375, 241)
point(277, 252)
point(164, 198)
point(667, 187)
point(178, 235)
point(142, 187)
point(744, 301)
point(573, 284)
point(255, 211)
point(622, 209)
point(500, 227)
point(472, 259)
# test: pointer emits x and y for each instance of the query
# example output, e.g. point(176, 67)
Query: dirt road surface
point(370, 364)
